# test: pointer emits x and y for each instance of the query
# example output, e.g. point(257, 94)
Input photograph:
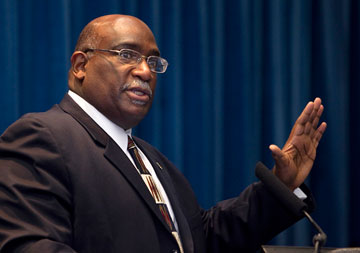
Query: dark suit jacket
point(65, 186)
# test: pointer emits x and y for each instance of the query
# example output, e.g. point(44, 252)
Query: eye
point(152, 62)
point(126, 55)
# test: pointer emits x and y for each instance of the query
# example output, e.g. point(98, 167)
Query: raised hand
point(294, 161)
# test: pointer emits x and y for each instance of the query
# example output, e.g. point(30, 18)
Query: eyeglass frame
point(138, 60)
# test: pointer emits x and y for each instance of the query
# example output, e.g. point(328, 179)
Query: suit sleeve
point(36, 211)
point(244, 223)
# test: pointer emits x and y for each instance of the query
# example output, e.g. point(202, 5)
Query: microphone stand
point(319, 239)
point(284, 195)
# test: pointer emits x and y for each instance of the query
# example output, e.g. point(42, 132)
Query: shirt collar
point(118, 134)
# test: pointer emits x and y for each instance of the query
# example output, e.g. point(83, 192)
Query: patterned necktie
point(151, 185)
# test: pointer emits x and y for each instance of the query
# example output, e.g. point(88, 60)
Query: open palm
point(294, 161)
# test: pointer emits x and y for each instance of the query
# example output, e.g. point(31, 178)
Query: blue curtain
point(240, 73)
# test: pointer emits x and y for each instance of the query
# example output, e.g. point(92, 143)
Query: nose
point(143, 71)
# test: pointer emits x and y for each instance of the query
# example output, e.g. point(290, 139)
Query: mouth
point(138, 91)
point(139, 96)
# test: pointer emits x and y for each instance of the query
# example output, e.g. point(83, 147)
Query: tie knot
point(131, 143)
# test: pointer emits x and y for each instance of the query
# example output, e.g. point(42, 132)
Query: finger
point(317, 102)
point(302, 123)
point(279, 157)
point(314, 117)
point(309, 124)
point(319, 133)
point(315, 112)
point(314, 124)
point(321, 110)
point(305, 115)
point(276, 152)
point(308, 120)
point(309, 108)
point(316, 120)
point(308, 128)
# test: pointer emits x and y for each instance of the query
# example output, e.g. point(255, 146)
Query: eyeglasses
point(132, 57)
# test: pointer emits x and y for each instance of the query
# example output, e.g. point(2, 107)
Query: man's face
point(122, 92)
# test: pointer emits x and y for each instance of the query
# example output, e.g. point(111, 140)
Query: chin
point(133, 119)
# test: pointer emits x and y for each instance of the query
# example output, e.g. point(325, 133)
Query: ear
point(78, 62)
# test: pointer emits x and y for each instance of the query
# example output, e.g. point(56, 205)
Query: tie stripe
point(153, 189)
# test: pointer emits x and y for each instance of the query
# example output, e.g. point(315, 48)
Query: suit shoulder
point(52, 120)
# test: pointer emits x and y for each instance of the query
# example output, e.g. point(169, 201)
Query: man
point(73, 179)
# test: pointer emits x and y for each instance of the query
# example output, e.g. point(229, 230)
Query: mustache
point(138, 83)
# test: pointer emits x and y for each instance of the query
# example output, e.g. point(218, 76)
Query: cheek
point(108, 72)
point(109, 83)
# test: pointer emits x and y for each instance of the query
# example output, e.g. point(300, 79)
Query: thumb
point(278, 155)
point(275, 151)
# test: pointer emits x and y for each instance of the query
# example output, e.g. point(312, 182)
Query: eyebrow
point(136, 48)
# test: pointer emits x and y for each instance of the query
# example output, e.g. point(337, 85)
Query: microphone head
point(280, 190)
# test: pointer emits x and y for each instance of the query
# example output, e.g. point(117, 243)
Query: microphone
point(280, 190)
point(289, 199)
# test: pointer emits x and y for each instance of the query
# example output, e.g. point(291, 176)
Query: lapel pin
point(158, 164)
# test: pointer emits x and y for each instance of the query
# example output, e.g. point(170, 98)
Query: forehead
point(127, 32)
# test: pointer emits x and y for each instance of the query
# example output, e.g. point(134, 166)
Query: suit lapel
point(113, 153)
